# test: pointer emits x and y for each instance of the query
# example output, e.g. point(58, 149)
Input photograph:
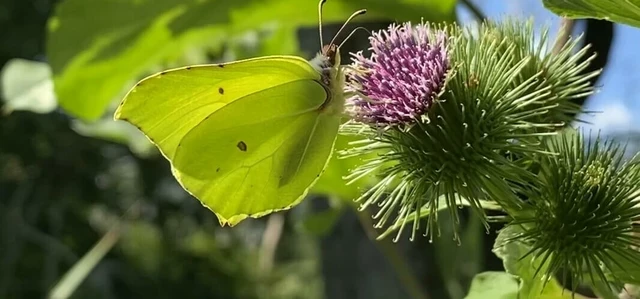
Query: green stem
point(71, 280)
point(474, 10)
point(270, 240)
point(396, 260)
point(564, 34)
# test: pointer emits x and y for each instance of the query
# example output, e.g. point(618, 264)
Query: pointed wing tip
point(234, 220)
point(117, 115)
point(231, 221)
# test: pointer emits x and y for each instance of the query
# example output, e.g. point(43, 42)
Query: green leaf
point(511, 254)
point(625, 12)
point(27, 85)
point(623, 270)
point(603, 290)
point(332, 183)
point(116, 131)
point(493, 285)
point(96, 48)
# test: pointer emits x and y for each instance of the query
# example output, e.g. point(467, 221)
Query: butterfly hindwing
point(246, 138)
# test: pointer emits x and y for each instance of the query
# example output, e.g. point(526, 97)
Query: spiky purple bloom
point(400, 80)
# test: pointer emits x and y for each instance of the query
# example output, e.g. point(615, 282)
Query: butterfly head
point(331, 53)
point(327, 61)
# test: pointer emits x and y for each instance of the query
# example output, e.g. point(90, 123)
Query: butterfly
point(249, 137)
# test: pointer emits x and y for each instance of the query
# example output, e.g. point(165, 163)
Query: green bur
point(582, 214)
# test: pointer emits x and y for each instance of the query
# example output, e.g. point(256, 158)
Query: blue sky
point(619, 87)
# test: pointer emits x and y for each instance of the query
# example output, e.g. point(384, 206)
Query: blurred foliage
point(498, 285)
point(60, 189)
point(128, 38)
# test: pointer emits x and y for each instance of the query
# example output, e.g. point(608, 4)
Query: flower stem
point(270, 240)
point(564, 34)
point(474, 10)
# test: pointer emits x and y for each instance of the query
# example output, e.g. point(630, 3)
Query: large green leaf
point(531, 286)
point(96, 48)
point(493, 285)
point(626, 12)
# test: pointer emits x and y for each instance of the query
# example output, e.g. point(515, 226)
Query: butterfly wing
point(246, 138)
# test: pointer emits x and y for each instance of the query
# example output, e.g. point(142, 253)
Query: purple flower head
point(400, 80)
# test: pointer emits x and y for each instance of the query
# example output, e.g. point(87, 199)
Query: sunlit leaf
point(625, 12)
point(493, 285)
point(27, 85)
point(97, 48)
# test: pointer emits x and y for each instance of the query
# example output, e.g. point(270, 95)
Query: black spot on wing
point(187, 68)
point(218, 169)
point(242, 146)
point(163, 73)
point(220, 64)
point(220, 90)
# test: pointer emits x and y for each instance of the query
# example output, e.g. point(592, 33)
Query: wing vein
point(306, 147)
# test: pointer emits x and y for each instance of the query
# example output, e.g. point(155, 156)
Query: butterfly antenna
point(355, 14)
point(352, 32)
point(320, 4)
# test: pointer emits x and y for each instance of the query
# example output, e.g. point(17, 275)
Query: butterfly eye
point(330, 52)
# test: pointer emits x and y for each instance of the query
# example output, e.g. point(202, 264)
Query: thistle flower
point(477, 136)
point(400, 80)
point(584, 211)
